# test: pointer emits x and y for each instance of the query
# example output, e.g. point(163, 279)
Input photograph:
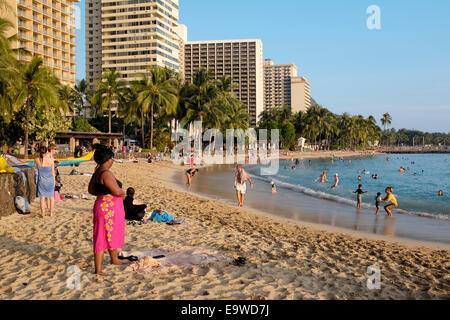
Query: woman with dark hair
point(45, 180)
point(109, 213)
point(133, 211)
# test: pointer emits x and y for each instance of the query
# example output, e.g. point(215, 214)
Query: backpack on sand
point(22, 205)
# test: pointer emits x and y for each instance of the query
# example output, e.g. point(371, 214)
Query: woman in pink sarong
point(109, 213)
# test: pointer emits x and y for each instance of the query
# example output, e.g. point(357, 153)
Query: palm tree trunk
point(151, 127)
point(27, 123)
point(143, 128)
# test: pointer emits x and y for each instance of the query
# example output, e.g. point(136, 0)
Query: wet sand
point(286, 260)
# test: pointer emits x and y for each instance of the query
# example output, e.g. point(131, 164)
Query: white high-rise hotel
point(131, 36)
point(242, 60)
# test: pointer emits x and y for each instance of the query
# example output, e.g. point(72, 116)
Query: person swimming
point(336, 181)
point(440, 193)
point(322, 177)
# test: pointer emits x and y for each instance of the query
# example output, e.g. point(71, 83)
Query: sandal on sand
point(240, 261)
point(130, 258)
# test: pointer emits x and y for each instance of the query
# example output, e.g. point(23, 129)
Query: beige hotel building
point(242, 60)
point(283, 87)
point(131, 36)
point(46, 28)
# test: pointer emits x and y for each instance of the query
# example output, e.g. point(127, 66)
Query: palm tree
point(81, 91)
point(386, 120)
point(202, 103)
point(156, 91)
point(36, 87)
point(110, 91)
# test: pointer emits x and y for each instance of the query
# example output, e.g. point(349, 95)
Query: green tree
point(155, 91)
point(110, 91)
point(386, 120)
point(36, 89)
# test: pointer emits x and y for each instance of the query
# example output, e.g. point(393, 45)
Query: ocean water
point(422, 214)
point(416, 194)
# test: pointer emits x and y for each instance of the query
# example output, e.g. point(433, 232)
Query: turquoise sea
point(422, 214)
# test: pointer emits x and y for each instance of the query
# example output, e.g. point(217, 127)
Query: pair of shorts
point(359, 198)
point(242, 188)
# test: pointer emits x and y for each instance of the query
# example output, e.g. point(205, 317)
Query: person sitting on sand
point(390, 198)
point(190, 175)
point(240, 183)
point(336, 181)
point(132, 211)
point(359, 192)
point(322, 177)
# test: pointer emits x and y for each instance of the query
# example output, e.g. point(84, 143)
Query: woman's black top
point(102, 190)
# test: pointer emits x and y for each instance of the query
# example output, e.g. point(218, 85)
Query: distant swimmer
point(274, 187)
point(336, 181)
point(359, 178)
point(440, 193)
point(322, 177)
point(293, 168)
point(390, 198)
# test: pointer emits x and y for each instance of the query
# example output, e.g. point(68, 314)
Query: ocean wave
point(336, 198)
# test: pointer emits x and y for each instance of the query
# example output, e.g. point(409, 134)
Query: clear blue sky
point(403, 69)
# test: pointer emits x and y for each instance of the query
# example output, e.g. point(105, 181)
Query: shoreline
point(411, 243)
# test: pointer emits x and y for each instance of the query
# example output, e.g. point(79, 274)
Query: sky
point(402, 68)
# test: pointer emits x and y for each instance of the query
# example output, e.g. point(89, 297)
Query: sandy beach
point(285, 260)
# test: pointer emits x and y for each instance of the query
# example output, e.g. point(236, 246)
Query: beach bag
point(57, 197)
point(22, 205)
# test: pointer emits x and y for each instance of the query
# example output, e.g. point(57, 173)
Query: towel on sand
point(178, 257)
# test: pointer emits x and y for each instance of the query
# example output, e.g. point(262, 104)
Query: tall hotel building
point(277, 84)
point(131, 36)
point(283, 87)
point(242, 60)
point(46, 28)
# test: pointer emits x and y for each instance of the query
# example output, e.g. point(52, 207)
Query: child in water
point(377, 202)
point(274, 187)
point(359, 192)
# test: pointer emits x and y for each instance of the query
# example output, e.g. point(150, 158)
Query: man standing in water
point(240, 183)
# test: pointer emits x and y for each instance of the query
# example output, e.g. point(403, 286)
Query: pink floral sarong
point(109, 223)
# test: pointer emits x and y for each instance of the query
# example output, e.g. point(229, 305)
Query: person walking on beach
point(359, 192)
point(45, 180)
point(274, 187)
point(190, 175)
point(322, 177)
point(390, 198)
point(240, 183)
point(109, 212)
